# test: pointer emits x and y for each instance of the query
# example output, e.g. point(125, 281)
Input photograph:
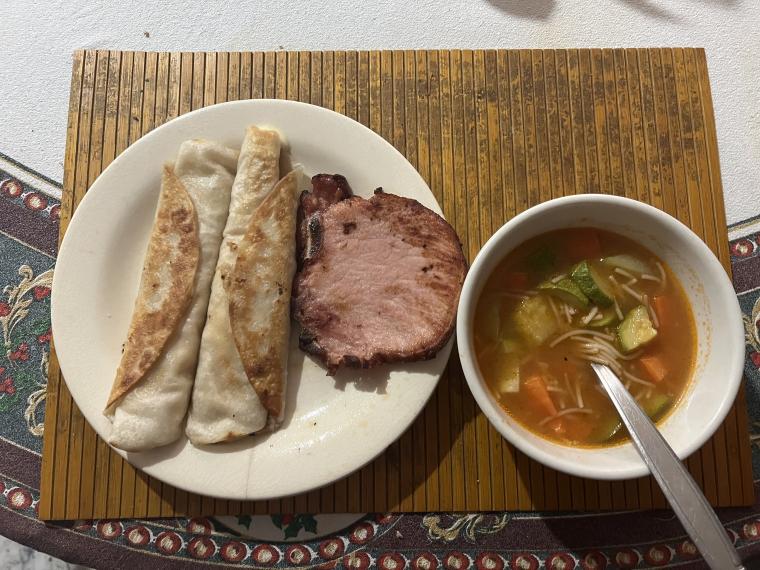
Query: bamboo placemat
point(493, 133)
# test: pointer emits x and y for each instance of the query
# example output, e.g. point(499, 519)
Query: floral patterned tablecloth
point(29, 209)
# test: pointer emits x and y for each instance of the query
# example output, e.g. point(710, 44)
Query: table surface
point(38, 40)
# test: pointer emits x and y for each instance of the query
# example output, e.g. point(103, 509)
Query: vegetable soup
point(570, 297)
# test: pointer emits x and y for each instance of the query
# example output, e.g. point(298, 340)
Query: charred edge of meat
point(327, 189)
point(309, 344)
point(313, 236)
point(378, 190)
point(331, 183)
point(300, 233)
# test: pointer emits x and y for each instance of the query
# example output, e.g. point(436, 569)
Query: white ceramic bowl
point(720, 350)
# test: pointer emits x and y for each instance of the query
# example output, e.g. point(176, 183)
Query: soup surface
point(570, 297)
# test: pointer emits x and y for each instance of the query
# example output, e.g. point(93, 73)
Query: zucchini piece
point(566, 290)
point(629, 263)
point(609, 317)
point(541, 259)
point(636, 330)
point(508, 373)
point(592, 284)
point(534, 320)
point(656, 405)
point(607, 430)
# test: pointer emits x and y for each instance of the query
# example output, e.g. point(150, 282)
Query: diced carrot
point(584, 244)
point(516, 280)
point(536, 389)
point(661, 306)
point(654, 366)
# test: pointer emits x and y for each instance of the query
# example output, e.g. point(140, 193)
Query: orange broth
point(545, 383)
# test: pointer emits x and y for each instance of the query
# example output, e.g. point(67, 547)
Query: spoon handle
point(687, 500)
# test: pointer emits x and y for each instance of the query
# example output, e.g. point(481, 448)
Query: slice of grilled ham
point(379, 282)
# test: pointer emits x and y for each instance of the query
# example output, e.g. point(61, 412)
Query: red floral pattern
point(742, 247)
point(12, 188)
point(658, 555)
point(19, 499)
point(750, 531)
point(391, 561)
point(40, 293)
point(560, 561)
point(265, 555)
point(199, 526)
point(357, 560)
point(168, 542)
point(524, 561)
point(35, 201)
point(233, 551)
point(594, 561)
point(137, 535)
point(201, 547)
point(456, 561)
point(362, 533)
point(425, 561)
point(6, 385)
point(489, 561)
point(21, 353)
point(627, 558)
point(109, 530)
point(298, 555)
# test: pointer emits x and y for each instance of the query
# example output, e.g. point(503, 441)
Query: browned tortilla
point(259, 296)
point(166, 285)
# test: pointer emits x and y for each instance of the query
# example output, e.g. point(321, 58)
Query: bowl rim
point(725, 294)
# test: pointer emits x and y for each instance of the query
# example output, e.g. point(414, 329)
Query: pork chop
point(380, 282)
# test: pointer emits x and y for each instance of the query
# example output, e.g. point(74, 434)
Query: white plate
point(336, 425)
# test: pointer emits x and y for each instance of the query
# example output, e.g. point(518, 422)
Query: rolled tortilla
point(260, 294)
point(224, 406)
point(149, 399)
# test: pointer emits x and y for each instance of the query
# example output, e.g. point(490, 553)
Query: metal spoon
point(687, 500)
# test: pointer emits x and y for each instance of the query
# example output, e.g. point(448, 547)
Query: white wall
point(38, 37)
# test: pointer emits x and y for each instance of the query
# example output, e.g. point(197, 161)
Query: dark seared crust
point(310, 345)
point(327, 189)
point(416, 233)
point(313, 236)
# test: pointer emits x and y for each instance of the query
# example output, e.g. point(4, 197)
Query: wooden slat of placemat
point(492, 133)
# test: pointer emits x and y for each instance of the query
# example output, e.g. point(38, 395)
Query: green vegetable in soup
point(609, 317)
point(541, 260)
point(592, 284)
point(566, 290)
point(535, 320)
point(606, 430)
point(627, 262)
point(657, 405)
point(636, 330)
